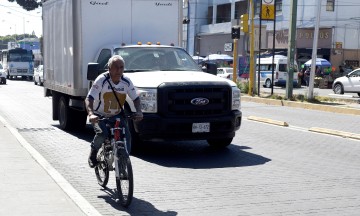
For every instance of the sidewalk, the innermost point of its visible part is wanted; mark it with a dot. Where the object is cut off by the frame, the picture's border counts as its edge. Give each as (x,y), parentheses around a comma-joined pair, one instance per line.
(26,188)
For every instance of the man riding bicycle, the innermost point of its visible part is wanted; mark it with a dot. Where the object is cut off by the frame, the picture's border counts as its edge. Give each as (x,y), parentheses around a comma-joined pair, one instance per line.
(108,90)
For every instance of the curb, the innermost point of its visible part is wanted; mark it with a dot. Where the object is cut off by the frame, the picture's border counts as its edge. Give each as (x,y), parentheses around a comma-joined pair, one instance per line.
(269,121)
(304,105)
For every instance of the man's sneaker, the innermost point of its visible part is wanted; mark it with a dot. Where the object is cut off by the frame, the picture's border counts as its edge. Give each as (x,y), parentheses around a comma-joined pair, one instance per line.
(92,158)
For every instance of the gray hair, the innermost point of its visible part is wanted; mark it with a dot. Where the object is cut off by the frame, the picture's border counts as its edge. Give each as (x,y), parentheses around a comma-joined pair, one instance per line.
(115,58)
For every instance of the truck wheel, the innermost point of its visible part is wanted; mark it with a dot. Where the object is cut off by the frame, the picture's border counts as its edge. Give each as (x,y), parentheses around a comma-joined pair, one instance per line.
(268,83)
(136,141)
(70,119)
(64,113)
(220,143)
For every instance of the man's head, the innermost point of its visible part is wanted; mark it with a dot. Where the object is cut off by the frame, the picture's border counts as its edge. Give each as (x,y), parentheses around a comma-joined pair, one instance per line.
(116,66)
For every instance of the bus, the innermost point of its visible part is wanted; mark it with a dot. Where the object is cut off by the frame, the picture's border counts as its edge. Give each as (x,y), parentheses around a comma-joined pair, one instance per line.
(18,62)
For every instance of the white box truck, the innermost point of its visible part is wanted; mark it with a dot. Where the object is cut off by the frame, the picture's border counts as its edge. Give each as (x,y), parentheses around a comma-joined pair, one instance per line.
(179,101)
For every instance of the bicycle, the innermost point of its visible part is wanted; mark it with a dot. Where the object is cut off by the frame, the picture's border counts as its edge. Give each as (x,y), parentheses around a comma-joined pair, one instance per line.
(114,156)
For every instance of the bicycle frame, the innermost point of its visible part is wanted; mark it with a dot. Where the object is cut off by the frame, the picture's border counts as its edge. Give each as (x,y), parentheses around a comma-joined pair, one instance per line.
(114,151)
(117,142)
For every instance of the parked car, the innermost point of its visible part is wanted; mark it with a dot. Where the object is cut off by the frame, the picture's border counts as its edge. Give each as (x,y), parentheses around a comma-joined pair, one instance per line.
(350,83)
(225,72)
(39,75)
(2,75)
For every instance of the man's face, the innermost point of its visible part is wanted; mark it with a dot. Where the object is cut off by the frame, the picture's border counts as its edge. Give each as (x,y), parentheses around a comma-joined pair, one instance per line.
(116,70)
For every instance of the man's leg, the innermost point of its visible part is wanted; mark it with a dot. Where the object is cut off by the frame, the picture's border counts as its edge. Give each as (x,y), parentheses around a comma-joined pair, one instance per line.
(99,138)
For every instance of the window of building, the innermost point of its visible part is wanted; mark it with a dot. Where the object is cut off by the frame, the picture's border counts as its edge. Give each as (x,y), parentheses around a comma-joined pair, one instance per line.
(278,6)
(237,10)
(210,15)
(330,5)
(223,13)
(185,3)
(240,9)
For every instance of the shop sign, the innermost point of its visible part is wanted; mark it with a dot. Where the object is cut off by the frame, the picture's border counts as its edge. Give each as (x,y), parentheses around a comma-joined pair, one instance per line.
(304,38)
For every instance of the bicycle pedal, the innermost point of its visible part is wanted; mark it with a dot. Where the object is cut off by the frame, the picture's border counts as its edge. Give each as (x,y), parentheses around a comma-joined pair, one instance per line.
(123,177)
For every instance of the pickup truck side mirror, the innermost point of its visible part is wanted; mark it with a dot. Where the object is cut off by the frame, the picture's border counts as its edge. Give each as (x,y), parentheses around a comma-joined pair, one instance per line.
(93,71)
(211,68)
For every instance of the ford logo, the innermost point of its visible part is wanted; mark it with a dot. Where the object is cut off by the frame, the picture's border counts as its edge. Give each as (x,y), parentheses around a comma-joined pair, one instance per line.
(199,101)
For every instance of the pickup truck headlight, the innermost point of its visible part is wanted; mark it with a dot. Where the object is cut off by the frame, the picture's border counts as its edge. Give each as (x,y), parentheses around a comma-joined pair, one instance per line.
(148,100)
(235,98)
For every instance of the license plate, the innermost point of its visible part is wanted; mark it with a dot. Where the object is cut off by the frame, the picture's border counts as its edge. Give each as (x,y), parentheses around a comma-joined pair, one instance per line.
(201,127)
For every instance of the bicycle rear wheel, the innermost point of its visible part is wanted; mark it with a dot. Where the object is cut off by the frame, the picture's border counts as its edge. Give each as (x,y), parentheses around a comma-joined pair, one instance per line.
(102,169)
(125,182)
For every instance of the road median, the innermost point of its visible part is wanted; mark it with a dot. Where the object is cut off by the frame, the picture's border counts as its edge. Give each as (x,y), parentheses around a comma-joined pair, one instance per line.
(343,134)
(268,121)
(330,107)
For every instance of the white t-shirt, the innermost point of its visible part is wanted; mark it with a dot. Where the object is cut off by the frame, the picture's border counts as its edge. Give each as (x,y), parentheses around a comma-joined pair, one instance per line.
(105,102)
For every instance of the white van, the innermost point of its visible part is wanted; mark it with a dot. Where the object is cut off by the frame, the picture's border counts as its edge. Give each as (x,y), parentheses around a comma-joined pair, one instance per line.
(280,71)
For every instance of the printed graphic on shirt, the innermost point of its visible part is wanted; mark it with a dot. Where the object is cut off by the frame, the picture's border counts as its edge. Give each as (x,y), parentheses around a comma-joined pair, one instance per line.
(110,103)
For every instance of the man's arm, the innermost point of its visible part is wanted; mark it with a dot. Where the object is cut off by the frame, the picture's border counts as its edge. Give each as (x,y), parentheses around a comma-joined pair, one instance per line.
(138,115)
(89,104)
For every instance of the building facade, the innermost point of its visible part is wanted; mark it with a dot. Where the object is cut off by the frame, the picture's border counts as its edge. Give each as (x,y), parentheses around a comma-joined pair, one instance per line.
(339,28)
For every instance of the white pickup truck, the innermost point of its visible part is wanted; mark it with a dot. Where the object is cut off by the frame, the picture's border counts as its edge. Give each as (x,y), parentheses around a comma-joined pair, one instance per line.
(179,101)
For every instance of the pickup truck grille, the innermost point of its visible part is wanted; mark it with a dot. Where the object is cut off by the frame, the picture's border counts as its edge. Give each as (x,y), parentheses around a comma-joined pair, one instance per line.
(175,99)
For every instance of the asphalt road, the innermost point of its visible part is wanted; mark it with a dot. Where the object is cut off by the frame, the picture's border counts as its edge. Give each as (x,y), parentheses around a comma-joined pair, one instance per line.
(267,170)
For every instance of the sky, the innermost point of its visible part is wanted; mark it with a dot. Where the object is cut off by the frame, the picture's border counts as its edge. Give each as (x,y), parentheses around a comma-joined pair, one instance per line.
(16,20)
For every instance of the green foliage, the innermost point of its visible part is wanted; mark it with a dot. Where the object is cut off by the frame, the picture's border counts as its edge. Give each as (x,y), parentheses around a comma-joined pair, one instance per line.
(244,86)
(15,37)
(28,4)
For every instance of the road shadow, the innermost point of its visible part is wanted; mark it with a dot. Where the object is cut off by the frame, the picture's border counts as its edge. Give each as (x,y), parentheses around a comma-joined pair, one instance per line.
(137,206)
(197,155)
(188,154)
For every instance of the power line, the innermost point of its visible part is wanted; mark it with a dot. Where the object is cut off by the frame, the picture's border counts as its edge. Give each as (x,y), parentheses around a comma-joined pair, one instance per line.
(11,8)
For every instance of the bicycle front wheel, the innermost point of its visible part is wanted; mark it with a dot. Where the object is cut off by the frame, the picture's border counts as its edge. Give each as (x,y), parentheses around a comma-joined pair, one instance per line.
(102,169)
(125,181)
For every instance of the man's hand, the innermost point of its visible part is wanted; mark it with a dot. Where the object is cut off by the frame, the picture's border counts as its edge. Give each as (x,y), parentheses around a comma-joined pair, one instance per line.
(138,116)
(93,119)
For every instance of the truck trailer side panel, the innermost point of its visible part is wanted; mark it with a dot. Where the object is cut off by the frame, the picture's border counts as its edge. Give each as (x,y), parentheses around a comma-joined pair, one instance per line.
(74,31)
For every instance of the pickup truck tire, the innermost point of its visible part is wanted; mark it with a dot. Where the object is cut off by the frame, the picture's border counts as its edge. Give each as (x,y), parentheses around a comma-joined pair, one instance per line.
(219,143)
(136,141)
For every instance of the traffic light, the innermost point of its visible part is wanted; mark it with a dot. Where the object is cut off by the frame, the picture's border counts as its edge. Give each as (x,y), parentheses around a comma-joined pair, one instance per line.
(235,32)
(244,22)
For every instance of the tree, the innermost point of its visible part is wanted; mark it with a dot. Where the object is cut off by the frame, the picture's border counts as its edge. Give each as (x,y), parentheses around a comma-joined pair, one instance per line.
(28,4)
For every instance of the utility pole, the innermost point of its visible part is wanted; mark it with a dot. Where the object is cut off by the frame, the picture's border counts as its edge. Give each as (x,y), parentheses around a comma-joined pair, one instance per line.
(252,48)
(291,51)
(314,52)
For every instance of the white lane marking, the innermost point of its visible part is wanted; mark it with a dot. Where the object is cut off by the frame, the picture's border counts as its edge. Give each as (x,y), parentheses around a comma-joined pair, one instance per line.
(79,200)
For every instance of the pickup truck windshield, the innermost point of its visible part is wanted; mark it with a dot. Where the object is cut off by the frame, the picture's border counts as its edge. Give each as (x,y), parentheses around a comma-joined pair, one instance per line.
(156,58)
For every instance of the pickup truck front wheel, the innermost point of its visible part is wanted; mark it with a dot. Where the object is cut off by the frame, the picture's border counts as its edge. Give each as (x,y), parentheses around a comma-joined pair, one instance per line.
(219,143)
